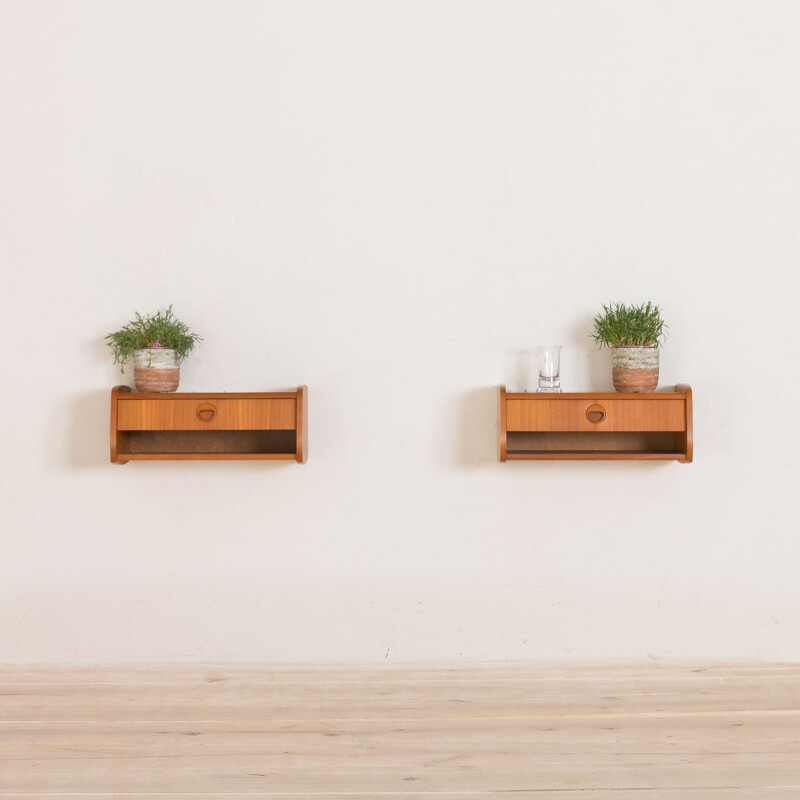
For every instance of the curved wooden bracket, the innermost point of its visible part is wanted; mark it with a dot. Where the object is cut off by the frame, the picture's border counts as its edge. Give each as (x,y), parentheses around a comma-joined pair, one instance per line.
(501,423)
(115,392)
(688,436)
(302,424)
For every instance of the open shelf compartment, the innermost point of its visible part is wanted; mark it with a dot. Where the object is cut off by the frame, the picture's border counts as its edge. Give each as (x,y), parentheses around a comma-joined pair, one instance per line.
(608,426)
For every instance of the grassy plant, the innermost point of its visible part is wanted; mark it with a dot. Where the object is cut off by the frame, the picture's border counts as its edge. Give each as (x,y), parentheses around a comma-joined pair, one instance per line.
(161,329)
(629,326)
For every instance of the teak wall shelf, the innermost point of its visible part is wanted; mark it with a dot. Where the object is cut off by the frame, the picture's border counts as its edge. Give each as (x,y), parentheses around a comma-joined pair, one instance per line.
(607,425)
(235,426)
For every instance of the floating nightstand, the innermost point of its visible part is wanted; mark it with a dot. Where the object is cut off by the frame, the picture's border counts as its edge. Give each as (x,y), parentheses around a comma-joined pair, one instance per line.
(268,426)
(607,425)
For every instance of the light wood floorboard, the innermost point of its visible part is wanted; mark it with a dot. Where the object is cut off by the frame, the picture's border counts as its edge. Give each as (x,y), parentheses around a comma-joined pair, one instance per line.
(535,732)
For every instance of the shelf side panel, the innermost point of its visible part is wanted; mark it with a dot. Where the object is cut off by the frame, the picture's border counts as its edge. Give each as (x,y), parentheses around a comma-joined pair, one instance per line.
(688,436)
(501,423)
(115,441)
(301,454)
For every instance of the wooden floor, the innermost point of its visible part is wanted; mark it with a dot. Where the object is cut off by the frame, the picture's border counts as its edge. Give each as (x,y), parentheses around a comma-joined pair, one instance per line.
(528,732)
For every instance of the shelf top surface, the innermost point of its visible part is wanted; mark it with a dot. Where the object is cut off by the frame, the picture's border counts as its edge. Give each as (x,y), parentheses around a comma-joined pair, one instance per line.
(661,394)
(132,395)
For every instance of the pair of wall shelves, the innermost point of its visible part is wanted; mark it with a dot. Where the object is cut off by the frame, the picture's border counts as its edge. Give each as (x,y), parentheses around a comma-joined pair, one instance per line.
(273,426)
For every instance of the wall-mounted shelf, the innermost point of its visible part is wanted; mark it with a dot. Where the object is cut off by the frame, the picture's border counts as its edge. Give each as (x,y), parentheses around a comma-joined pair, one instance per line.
(151,426)
(607,425)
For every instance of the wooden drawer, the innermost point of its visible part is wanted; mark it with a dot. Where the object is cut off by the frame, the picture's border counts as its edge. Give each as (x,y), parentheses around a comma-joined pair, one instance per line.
(562,414)
(212,414)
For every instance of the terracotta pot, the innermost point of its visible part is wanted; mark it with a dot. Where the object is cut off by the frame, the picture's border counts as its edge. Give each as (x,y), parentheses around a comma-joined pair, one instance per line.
(156,369)
(634,369)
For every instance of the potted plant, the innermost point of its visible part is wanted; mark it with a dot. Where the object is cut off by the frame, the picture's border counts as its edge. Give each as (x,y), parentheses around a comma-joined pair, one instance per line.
(634,334)
(157,343)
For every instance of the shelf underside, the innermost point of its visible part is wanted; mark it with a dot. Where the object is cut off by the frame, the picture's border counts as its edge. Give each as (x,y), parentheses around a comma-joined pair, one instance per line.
(236,445)
(206,457)
(563,446)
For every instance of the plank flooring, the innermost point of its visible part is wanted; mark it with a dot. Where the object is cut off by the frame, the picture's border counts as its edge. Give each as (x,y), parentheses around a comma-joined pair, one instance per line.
(532,732)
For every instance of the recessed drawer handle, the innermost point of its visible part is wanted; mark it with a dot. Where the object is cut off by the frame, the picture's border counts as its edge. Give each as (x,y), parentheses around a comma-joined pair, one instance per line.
(206,412)
(595,413)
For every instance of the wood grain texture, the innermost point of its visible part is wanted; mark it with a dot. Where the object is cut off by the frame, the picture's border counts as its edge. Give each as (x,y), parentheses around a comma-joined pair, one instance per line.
(572,415)
(560,794)
(231,414)
(642,731)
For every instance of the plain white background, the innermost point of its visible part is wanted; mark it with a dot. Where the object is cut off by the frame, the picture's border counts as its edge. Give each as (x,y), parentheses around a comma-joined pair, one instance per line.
(394,202)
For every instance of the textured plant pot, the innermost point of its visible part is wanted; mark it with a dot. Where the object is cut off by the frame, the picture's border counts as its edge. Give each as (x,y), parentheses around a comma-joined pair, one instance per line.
(634,369)
(156,369)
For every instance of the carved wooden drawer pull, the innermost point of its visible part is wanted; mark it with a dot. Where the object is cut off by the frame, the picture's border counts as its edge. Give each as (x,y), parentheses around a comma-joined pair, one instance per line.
(595,413)
(206,412)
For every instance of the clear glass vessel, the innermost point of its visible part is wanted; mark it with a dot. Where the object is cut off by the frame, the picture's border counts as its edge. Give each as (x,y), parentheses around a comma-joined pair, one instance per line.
(549,368)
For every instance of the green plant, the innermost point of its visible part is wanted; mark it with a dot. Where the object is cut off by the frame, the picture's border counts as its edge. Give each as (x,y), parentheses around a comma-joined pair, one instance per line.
(161,329)
(629,326)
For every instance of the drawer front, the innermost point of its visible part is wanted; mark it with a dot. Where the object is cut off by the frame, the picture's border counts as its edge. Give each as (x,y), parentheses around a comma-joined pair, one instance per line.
(206,415)
(595,415)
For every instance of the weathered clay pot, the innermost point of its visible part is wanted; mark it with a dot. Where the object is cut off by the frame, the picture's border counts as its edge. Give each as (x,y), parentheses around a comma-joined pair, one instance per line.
(634,369)
(156,369)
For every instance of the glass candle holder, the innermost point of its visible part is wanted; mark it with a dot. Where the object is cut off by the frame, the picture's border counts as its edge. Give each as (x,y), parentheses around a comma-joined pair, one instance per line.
(549,368)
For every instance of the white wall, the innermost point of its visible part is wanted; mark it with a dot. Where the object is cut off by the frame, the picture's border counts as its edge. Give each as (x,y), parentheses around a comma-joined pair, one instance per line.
(393,202)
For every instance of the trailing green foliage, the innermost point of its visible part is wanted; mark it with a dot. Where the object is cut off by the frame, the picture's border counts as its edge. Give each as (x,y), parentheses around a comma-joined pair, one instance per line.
(629,326)
(161,329)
